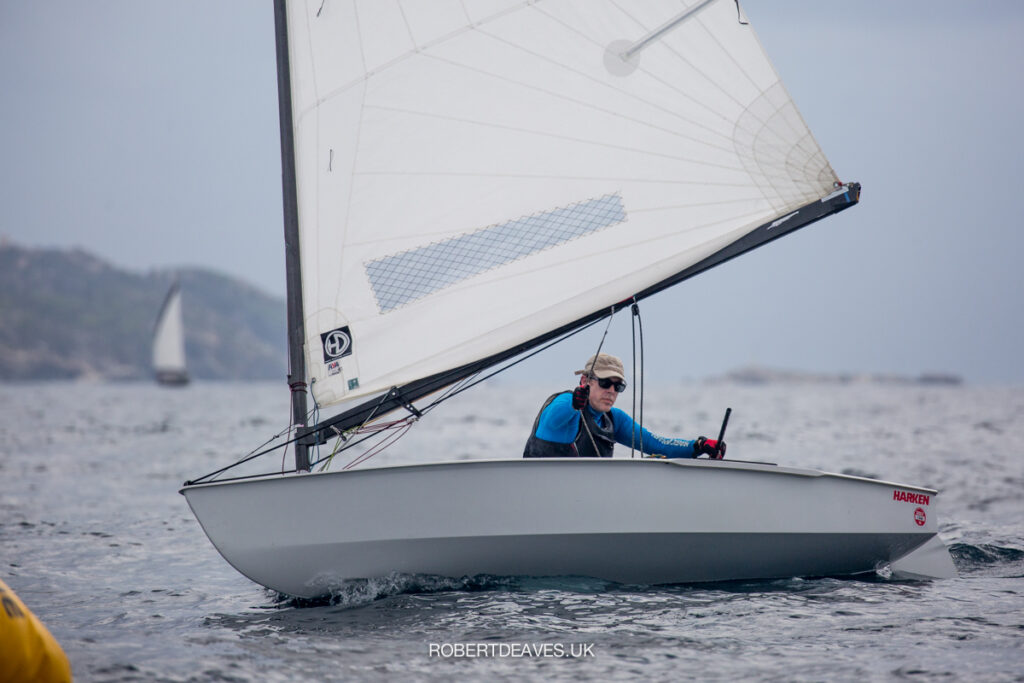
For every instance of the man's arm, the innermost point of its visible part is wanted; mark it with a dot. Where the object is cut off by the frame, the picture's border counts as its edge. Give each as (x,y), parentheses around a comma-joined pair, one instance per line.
(628,432)
(559,422)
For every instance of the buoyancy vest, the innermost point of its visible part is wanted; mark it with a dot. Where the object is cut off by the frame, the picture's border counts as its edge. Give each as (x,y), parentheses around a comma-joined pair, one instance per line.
(582,447)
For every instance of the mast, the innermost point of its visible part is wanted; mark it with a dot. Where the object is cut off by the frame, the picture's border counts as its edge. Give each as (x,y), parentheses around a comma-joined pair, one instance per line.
(293,272)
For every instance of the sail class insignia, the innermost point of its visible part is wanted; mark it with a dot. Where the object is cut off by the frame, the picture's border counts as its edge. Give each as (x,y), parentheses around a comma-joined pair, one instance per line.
(336,344)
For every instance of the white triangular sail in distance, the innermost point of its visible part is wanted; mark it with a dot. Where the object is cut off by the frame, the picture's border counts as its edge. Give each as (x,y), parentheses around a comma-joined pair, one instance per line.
(475,173)
(169,341)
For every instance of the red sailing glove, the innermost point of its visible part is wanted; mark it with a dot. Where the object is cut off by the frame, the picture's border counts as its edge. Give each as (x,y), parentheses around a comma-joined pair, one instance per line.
(581,395)
(715,449)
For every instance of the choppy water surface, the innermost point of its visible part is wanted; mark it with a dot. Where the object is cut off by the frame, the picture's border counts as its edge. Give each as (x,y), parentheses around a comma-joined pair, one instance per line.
(99,544)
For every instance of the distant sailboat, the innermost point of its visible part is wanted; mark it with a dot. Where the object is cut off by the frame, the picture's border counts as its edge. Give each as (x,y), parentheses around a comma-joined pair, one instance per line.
(169,341)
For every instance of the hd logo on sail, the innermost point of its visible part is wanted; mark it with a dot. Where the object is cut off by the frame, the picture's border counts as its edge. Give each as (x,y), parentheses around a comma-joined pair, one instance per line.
(336,344)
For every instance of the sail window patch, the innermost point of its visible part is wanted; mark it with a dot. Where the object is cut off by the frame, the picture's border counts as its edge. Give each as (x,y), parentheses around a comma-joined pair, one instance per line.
(411,275)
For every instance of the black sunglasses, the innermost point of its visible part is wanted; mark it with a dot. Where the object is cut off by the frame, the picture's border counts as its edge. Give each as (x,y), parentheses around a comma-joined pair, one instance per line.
(606,382)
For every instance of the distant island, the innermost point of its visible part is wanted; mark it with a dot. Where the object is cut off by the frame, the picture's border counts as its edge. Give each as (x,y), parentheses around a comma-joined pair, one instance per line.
(67,314)
(762,375)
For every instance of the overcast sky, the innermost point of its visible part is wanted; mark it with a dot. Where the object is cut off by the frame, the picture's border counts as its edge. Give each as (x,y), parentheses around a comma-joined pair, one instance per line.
(146,132)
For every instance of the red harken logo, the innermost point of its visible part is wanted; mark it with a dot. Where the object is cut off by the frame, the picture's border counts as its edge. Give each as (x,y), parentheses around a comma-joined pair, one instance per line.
(919,517)
(908,497)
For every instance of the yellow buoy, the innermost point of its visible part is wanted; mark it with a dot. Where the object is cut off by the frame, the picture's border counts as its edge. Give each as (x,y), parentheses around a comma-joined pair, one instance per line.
(27,650)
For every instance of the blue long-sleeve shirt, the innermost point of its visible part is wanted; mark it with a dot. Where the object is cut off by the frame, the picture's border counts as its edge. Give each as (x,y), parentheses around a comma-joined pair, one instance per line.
(560,422)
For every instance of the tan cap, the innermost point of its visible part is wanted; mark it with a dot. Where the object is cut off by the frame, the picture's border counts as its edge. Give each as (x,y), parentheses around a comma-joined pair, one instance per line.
(603,366)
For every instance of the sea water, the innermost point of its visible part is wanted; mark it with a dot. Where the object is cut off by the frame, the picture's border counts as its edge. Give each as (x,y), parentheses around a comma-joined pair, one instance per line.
(99,544)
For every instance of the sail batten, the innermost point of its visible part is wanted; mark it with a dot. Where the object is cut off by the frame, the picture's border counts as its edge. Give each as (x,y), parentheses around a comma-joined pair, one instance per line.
(665,28)
(438,153)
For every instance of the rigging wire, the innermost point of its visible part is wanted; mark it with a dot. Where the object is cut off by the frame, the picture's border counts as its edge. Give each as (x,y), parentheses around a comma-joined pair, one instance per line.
(450,392)
(639,380)
(516,362)
(464,385)
(611,314)
(316,416)
(371,431)
(256,452)
(455,389)
(383,445)
(365,428)
(252,455)
(632,433)
(589,372)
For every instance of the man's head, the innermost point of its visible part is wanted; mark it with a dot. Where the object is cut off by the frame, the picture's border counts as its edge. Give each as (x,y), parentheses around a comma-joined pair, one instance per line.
(606,370)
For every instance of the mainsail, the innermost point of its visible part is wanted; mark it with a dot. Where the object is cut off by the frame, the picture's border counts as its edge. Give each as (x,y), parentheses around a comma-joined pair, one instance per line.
(472,175)
(169,341)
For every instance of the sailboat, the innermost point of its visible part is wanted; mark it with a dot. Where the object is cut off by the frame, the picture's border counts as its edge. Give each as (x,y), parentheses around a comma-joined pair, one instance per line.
(469,182)
(169,341)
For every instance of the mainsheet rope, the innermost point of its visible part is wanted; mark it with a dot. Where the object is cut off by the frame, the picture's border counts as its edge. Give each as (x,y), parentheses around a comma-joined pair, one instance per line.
(589,372)
(638,380)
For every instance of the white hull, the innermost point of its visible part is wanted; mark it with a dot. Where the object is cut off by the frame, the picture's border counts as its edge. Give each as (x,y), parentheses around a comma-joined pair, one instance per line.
(631,521)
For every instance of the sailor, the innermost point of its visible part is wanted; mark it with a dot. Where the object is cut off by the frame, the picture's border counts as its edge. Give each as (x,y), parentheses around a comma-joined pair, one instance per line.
(584,422)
